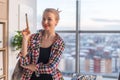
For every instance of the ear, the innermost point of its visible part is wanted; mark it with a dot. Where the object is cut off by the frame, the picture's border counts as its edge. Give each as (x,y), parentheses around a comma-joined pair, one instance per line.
(56,22)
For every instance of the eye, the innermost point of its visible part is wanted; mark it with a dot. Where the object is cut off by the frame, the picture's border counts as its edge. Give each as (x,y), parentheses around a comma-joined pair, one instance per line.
(43,19)
(49,19)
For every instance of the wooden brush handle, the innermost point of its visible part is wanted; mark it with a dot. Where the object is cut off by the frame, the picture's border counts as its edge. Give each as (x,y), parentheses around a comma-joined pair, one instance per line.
(27,24)
(27,21)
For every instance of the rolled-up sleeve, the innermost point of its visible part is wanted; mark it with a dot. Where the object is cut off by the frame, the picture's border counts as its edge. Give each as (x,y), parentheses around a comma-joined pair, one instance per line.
(27,59)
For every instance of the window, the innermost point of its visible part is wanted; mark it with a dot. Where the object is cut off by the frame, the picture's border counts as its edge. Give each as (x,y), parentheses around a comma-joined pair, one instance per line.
(98,36)
(100,15)
(100,53)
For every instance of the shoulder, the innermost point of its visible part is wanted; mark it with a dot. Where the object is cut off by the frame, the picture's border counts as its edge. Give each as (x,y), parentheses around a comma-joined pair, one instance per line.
(59,44)
(59,40)
(35,35)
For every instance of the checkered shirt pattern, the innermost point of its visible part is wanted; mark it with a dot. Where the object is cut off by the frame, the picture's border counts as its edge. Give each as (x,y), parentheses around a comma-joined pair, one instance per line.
(33,54)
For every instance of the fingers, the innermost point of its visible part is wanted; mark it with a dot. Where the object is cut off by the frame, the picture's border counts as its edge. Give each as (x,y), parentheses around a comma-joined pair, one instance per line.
(26,31)
(30,67)
(24,67)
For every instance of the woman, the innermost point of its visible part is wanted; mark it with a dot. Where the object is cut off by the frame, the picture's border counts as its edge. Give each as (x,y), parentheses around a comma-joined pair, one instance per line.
(41,52)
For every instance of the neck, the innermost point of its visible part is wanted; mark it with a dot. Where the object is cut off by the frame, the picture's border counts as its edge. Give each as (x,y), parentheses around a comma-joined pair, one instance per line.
(48,34)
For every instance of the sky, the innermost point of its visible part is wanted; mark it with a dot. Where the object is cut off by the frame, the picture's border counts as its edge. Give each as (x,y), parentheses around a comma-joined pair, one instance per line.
(94,14)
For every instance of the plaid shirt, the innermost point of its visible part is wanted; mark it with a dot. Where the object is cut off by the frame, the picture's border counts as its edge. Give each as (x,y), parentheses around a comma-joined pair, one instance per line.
(33,54)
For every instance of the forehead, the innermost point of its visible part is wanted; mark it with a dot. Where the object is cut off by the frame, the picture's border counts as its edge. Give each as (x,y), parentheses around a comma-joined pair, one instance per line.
(48,14)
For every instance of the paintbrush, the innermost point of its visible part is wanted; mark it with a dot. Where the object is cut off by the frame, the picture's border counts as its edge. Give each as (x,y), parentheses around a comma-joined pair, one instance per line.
(27,24)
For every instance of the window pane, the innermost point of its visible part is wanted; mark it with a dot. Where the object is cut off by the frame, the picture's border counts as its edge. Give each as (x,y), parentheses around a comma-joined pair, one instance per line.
(67,64)
(67,14)
(100,15)
(100,53)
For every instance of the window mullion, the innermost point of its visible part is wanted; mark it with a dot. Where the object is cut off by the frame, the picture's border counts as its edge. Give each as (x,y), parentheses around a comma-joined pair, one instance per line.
(77,37)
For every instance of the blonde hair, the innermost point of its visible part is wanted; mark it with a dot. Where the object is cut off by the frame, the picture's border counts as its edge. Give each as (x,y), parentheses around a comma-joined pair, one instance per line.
(54,11)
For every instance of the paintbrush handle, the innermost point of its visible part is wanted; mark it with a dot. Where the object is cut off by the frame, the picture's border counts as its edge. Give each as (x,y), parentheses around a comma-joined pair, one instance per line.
(27,25)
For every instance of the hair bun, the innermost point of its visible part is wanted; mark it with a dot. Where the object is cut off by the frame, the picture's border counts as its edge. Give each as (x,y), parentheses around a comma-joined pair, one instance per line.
(58,10)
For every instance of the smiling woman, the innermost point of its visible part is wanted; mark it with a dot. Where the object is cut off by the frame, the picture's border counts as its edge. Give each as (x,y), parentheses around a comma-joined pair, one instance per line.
(67,22)
(41,52)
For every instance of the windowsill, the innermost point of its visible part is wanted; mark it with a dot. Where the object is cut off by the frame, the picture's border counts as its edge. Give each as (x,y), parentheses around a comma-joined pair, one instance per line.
(69,78)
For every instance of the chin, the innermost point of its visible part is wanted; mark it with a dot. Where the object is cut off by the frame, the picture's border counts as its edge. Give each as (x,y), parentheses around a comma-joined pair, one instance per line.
(46,29)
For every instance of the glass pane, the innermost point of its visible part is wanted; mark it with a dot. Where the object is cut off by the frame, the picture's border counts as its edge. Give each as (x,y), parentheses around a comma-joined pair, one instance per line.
(67,14)
(100,53)
(67,64)
(1,35)
(100,15)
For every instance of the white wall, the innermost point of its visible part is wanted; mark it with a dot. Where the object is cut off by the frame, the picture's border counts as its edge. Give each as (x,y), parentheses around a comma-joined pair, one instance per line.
(13,26)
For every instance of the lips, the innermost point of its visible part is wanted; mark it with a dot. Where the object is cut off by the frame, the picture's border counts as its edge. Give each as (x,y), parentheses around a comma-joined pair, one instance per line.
(45,26)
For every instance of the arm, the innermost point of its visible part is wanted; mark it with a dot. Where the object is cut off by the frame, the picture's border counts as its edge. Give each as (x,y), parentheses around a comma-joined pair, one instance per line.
(53,61)
(26,53)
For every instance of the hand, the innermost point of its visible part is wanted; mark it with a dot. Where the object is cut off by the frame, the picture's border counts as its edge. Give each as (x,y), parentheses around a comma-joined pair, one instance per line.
(31,67)
(26,34)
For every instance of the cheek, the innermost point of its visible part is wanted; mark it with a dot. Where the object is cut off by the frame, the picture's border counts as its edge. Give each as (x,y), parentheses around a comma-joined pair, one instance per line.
(42,23)
(56,23)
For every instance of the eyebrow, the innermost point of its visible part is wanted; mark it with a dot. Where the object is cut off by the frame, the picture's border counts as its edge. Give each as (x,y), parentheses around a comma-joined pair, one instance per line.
(47,17)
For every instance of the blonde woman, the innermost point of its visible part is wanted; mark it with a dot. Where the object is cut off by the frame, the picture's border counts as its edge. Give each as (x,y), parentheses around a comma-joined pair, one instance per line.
(41,52)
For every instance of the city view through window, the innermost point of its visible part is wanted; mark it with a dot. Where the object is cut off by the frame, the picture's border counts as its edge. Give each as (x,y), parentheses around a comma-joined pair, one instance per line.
(99,54)
(99,36)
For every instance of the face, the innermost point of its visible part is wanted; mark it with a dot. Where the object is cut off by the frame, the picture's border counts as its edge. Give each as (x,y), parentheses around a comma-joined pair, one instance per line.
(49,21)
